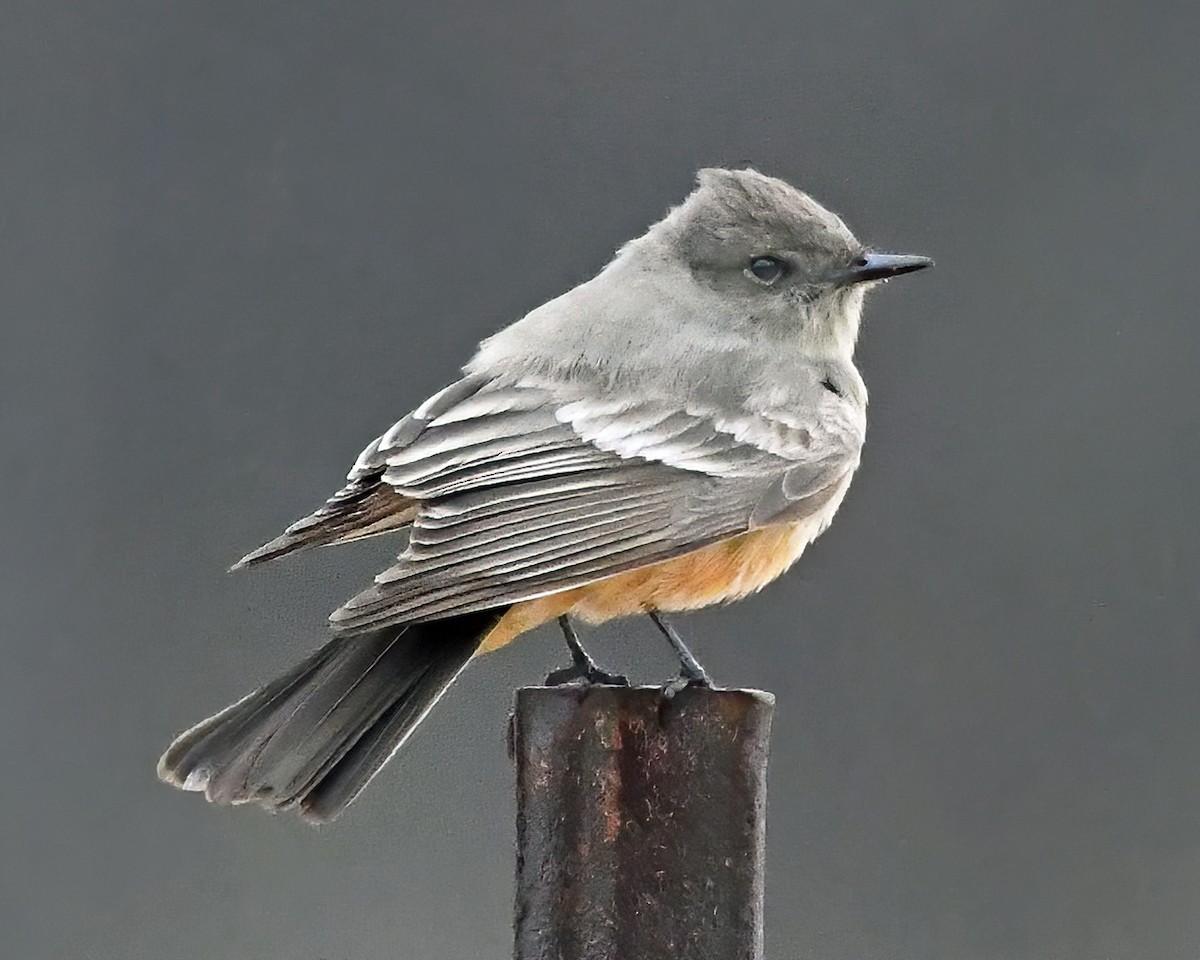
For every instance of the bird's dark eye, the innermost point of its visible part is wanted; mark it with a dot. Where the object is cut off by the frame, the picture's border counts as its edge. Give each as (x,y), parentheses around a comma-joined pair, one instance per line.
(767,269)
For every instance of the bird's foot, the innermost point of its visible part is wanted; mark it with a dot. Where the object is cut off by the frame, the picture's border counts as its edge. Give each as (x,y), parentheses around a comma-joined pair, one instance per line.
(687,678)
(587,674)
(583,668)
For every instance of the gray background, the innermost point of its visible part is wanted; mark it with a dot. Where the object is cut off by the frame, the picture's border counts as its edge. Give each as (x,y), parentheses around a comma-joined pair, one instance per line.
(239,239)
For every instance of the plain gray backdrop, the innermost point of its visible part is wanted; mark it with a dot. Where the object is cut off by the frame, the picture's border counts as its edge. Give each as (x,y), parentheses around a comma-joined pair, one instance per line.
(239,239)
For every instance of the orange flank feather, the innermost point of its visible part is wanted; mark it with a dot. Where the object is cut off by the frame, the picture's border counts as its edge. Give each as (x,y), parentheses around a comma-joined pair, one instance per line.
(718,573)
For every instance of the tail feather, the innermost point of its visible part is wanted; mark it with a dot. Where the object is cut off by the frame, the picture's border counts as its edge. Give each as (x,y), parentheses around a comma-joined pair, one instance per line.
(345,779)
(315,736)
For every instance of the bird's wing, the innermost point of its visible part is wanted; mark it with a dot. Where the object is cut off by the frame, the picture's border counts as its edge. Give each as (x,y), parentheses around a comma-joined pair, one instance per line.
(521,492)
(365,506)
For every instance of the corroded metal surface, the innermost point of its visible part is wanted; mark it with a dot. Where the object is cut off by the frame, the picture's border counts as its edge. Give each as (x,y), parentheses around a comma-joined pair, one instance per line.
(640,823)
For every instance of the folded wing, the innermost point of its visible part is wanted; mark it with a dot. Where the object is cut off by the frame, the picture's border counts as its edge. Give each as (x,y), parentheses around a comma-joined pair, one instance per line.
(520,492)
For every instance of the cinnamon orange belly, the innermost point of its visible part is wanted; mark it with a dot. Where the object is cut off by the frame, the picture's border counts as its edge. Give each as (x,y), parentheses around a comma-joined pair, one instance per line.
(714,574)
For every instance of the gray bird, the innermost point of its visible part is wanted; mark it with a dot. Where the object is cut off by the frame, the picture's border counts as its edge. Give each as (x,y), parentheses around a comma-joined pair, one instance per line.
(668,435)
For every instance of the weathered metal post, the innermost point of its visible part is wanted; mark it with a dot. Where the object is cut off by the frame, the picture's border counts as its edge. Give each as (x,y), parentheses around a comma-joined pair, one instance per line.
(641,821)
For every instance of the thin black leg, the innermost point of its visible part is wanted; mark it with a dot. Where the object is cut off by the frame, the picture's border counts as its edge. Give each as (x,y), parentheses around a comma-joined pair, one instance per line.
(583,667)
(690,671)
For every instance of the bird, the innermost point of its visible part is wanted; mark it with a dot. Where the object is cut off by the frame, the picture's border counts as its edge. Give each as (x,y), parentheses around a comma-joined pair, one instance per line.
(668,435)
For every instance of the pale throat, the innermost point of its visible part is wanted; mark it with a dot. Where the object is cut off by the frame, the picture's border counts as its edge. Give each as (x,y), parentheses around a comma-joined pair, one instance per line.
(831,324)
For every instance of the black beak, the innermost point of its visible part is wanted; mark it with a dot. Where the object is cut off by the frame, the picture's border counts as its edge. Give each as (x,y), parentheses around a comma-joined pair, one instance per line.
(884,266)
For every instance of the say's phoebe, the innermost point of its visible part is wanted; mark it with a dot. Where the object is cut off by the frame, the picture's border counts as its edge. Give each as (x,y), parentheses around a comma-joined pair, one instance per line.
(668,435)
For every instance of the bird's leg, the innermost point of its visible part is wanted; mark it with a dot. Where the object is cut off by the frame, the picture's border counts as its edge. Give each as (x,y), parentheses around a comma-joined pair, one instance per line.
(691,674)
(583,667)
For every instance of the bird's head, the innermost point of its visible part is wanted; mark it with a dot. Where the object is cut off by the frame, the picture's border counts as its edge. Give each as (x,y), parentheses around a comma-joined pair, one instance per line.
(783,261)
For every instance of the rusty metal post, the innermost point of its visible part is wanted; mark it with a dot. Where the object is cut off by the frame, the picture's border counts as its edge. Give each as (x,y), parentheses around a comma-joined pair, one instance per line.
(640,823)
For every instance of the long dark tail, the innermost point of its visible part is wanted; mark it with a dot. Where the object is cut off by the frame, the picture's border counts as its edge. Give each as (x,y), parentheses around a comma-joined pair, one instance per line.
(313,737)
